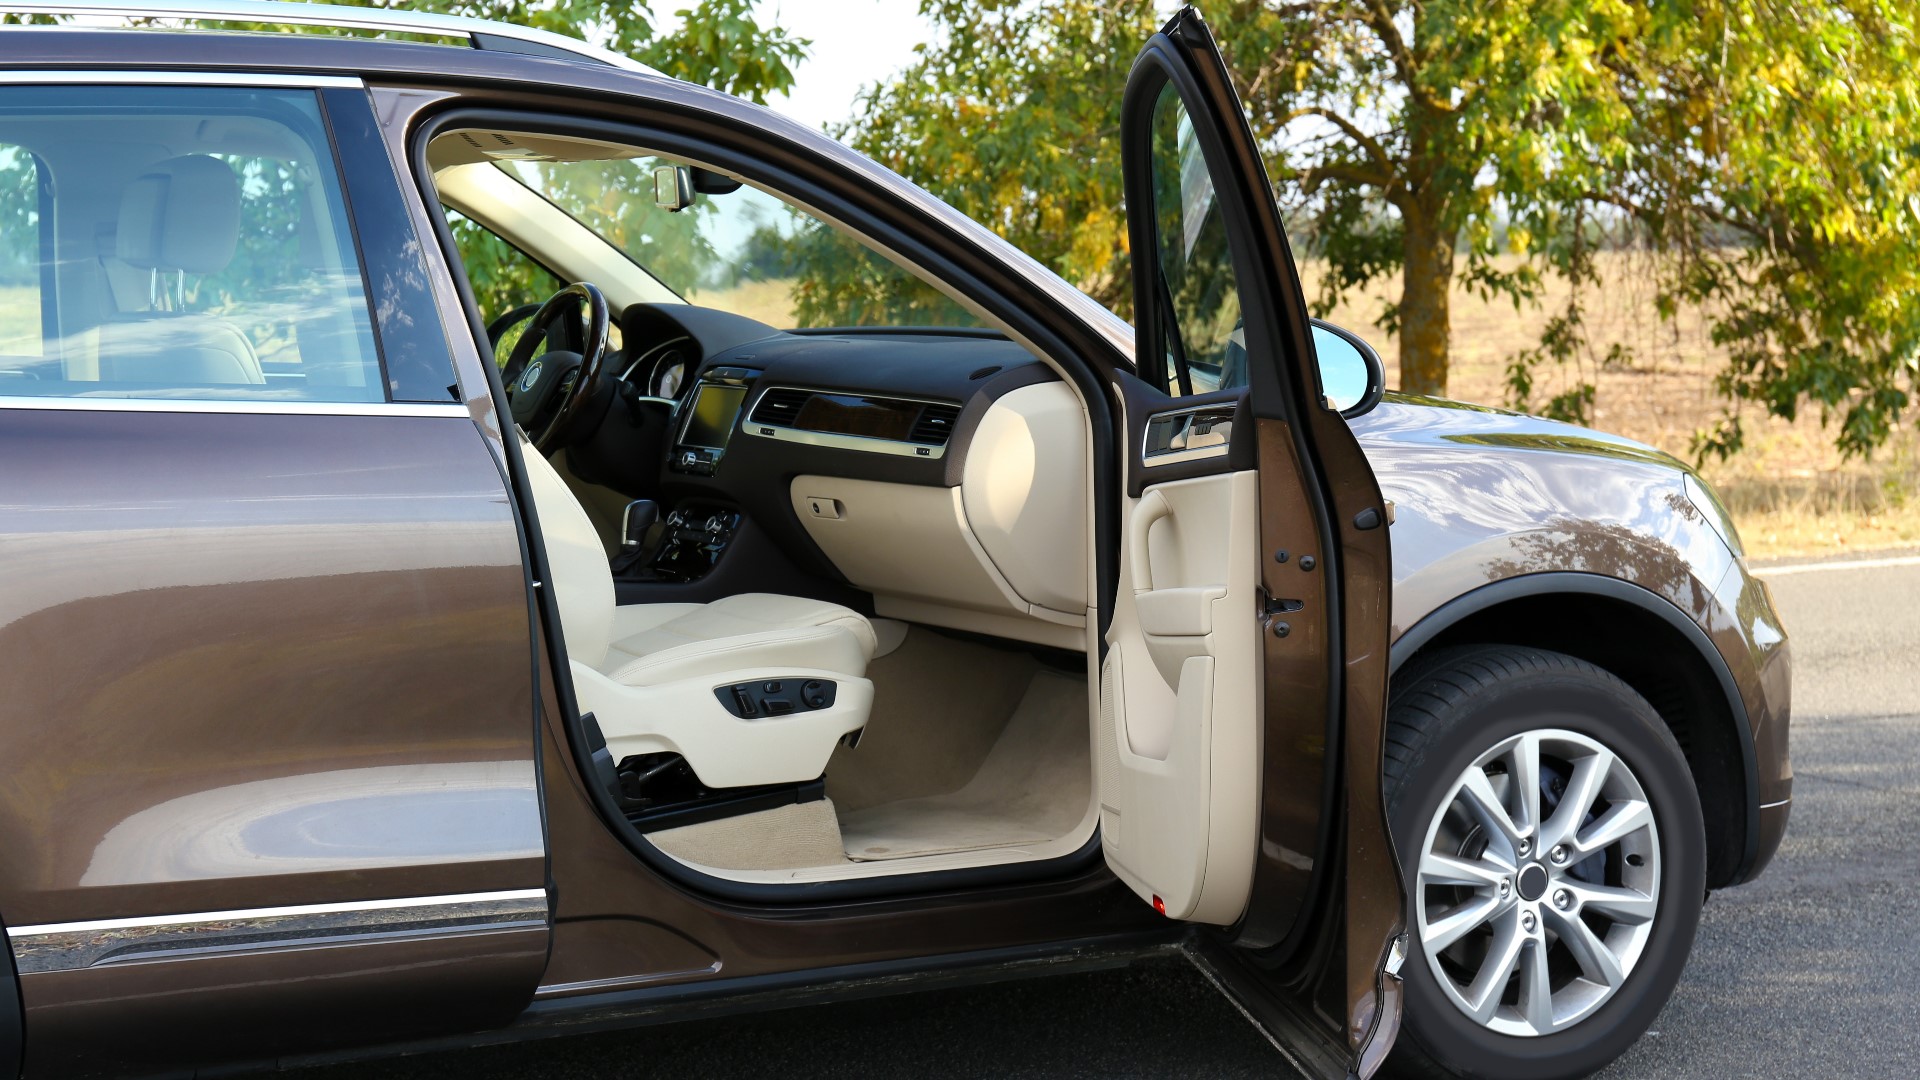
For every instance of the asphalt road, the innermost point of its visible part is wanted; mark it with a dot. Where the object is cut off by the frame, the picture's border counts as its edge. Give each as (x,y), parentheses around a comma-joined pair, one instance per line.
(1809,971)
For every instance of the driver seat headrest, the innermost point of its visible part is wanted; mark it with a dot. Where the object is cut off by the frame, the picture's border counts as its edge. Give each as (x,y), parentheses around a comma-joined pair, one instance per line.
(182,213)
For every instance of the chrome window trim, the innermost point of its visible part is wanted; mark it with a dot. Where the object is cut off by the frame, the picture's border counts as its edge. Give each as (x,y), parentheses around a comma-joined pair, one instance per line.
(862,443)
(237,406)
(74,945)
(122,77)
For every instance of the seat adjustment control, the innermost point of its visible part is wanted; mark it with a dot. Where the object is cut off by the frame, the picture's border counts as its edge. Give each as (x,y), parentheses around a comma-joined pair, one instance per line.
(776,697)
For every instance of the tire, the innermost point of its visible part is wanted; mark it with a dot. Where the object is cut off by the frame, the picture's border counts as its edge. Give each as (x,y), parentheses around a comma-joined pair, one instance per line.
(1631,869)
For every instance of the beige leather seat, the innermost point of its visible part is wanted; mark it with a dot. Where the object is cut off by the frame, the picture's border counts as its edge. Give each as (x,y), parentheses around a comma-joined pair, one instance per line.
(181,215)
(656,643)
(648,672)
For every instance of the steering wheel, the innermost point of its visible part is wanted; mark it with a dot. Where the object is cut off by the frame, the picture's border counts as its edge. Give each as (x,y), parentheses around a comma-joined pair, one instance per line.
(552,396)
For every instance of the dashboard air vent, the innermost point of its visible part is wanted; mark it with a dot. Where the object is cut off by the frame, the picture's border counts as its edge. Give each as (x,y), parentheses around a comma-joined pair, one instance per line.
(780,406)
(935,425)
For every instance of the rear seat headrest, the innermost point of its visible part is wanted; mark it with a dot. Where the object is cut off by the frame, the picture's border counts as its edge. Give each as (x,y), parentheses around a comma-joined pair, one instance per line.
(180,214)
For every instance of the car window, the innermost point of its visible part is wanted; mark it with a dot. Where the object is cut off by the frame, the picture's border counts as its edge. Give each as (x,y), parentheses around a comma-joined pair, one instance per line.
(22,231)
(503,278)
(1206,349)
(200,248)
(737,248)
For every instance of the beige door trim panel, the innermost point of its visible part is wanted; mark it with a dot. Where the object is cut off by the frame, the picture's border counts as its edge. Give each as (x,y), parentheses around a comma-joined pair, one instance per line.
(1180,718)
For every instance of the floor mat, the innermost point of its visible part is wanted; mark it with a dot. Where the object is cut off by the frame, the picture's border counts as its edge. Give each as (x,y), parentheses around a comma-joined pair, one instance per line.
(1034,786)
(939,704)
(783,838)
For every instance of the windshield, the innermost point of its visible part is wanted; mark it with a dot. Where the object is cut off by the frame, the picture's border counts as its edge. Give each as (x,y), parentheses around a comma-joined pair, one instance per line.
(737,248)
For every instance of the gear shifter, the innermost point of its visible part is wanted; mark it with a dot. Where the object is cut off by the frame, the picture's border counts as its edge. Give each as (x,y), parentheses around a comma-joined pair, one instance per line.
(635,523)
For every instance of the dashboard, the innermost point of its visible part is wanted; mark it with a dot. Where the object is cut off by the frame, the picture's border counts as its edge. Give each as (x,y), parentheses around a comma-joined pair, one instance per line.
(943,472)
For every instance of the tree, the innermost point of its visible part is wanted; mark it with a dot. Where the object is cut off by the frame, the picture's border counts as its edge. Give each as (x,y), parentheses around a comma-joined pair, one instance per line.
(1762,150)
(1013,117)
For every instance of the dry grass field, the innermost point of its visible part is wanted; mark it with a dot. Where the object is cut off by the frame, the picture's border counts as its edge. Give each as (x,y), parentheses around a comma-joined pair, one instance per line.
(19,320)
(1789,490)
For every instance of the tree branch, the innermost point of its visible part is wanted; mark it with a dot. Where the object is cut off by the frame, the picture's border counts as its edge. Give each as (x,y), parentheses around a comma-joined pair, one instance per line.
(1405,63)
(1347,172)
(1352,130)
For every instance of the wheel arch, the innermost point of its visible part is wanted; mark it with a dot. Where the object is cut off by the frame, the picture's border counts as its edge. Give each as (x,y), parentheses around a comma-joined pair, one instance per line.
(1651,645)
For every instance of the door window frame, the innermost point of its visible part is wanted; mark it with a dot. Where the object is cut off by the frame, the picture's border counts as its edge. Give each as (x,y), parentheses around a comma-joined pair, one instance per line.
(845,197)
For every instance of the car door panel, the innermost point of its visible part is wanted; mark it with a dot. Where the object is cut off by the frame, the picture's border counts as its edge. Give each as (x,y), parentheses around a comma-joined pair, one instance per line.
(1205,230)
(260,663)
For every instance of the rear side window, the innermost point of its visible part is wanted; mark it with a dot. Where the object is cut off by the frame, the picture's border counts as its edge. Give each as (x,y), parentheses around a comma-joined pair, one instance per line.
(21,263)
(177,242)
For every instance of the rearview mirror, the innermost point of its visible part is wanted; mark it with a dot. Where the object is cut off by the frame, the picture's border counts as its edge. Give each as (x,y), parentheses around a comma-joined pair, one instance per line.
(1352,375)
(672,188)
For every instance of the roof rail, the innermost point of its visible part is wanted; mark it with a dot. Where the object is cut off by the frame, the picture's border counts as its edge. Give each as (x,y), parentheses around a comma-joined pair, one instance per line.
(479,33)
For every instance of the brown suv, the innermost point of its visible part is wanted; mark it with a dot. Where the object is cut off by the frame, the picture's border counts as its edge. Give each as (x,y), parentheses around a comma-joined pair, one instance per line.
(364,693)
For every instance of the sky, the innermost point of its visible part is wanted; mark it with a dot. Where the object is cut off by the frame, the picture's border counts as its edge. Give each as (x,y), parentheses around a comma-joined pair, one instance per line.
(856,43)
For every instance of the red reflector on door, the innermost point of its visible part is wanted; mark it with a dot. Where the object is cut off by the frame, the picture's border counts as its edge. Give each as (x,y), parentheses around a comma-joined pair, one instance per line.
(1159,905)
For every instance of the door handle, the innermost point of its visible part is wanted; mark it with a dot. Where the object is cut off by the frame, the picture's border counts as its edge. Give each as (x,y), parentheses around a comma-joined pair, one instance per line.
(1150,509)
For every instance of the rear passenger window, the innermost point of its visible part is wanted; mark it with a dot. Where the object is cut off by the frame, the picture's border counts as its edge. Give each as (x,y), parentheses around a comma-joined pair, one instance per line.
(177,242)
(20,256)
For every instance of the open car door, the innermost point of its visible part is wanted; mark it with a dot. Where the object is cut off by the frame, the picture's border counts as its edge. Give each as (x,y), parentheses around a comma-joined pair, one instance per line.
(1243,687)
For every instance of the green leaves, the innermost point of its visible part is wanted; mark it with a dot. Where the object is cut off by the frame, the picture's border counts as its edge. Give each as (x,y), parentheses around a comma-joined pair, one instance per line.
(1010,114)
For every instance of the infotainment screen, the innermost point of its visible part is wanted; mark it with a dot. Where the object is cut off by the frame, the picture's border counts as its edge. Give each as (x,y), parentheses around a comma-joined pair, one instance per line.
(715,408)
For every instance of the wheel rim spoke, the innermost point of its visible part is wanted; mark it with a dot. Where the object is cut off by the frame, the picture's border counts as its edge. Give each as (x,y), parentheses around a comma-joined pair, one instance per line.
(1624,905)
(1536,987)
(1482,873)
(1486,805)
(1597,962)
(1526,780)
(1621,820)
(1589,774)
(1440,934)
(1490,982)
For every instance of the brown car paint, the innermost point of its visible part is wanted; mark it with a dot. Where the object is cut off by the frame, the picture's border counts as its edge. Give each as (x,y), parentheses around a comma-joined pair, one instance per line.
(242,653)
(1486,497)
(620,924)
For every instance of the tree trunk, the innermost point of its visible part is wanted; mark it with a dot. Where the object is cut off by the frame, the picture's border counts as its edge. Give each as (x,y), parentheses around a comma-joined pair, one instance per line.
(1425,315)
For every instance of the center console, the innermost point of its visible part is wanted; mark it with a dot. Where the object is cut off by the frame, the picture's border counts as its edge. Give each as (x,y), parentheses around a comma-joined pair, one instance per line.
(711,414)
(691,541)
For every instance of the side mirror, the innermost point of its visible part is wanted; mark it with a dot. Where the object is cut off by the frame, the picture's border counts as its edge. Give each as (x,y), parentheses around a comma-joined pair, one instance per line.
(672,188)
(1352,376)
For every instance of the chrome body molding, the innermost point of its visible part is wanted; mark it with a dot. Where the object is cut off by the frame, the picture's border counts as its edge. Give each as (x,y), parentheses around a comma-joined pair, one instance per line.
(71,946)
(255,407)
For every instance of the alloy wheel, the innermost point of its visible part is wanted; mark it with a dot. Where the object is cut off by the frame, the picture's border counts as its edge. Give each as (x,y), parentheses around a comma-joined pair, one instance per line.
(1536,889)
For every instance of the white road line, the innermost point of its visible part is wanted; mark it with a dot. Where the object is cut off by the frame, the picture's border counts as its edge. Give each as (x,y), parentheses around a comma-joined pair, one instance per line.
(1852,564)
